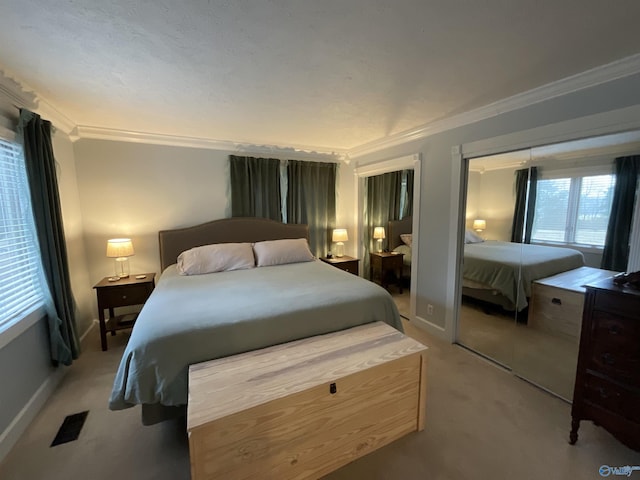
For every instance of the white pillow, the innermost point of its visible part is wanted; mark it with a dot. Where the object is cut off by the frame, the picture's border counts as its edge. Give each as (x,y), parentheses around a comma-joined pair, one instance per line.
(219,257)
(406,238)
(470,237)
(280,252)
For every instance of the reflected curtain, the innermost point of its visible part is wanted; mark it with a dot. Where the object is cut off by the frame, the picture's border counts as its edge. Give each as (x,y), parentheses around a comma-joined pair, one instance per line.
(407,209)
(255,187)
(616,248)
(525,189)
(40,162)
(311,199)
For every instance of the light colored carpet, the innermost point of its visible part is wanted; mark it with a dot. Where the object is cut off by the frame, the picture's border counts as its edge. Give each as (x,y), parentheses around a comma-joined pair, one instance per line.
(482,423)
(402,302)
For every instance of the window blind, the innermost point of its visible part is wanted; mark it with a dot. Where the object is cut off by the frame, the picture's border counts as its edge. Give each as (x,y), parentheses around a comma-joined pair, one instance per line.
(573,210)
(19,256)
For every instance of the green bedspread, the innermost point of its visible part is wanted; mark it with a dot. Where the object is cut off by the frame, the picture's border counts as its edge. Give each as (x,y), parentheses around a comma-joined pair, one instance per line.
(191,319)
(501,265)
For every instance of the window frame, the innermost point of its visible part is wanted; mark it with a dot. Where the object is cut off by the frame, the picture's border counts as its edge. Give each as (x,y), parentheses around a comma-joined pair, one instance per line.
(576,176)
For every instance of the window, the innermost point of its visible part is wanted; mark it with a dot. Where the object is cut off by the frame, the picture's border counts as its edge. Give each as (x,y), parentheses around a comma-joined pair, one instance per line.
(573,210)
(20,289)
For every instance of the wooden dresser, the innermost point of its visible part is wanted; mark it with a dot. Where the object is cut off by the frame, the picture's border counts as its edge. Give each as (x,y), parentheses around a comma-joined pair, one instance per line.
(607,389)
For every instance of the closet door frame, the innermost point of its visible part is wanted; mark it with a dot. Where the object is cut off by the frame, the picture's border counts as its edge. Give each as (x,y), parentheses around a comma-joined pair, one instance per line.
(378,168)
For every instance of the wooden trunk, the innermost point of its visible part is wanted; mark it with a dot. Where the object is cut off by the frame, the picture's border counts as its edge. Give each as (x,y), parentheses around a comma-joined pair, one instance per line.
(557,302)
(303,409)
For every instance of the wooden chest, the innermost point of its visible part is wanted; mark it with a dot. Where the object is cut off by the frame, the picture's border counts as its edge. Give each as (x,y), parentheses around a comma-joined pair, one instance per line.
(303,409)
(607,388)
(557,302)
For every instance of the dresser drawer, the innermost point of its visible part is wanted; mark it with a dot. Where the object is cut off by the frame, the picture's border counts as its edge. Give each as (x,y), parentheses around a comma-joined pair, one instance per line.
(617,303)
(125,295)
(615,347)
(612,397)
(556,311)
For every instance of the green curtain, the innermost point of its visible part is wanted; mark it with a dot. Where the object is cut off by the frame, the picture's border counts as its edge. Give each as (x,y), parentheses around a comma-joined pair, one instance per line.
(311,199)
(525,204)
(35,134)
(255,187)
(616,247)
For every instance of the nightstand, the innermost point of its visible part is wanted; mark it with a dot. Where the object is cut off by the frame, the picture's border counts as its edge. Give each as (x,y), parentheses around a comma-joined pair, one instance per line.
(388,266)
(348,264)
(121,293)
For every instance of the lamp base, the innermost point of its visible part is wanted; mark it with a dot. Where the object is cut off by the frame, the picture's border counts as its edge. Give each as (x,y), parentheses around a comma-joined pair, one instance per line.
(379,245)
(122,267)
(339,249)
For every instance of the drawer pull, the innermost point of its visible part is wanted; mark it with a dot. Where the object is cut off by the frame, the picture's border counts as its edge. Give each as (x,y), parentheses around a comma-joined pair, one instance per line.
(608,358)
(333,388)
(603,393)
(614,330)
(556,301)
(124,297)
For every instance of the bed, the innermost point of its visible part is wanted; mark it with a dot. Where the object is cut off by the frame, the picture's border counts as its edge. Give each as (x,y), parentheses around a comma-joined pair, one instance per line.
(491,270)
(396,229)
(194,318)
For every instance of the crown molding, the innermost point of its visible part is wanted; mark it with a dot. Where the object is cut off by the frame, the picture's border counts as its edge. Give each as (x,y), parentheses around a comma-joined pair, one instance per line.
(58,119)
(300,151)
(17,94)
(590,78)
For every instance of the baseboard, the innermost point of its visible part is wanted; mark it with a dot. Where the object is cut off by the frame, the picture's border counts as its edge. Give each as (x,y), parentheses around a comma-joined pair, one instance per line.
(17,427)
(429,327)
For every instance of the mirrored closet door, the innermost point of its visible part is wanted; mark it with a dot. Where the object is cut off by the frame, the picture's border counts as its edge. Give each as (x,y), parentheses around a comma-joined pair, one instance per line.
(538,228)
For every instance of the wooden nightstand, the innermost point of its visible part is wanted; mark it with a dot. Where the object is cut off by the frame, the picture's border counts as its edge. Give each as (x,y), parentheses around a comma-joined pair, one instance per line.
(121,293)
(348,264)
(388,266)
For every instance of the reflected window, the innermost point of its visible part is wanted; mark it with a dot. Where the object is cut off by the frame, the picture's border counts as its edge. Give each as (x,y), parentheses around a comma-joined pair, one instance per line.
(573,210)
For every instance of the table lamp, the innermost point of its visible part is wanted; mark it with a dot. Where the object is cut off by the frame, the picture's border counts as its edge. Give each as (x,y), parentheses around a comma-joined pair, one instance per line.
(479,225)
(120,249)
(378,234)
(340,236)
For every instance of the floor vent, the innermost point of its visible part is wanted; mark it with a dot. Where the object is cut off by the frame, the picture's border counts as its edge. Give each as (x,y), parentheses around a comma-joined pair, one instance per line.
(70,428)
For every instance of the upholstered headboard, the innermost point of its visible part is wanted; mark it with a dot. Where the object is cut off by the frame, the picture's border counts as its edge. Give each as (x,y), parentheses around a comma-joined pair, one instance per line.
(397,228)
(226,230)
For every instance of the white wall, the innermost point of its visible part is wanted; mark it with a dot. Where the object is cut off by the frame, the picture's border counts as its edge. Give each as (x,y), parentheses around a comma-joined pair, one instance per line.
(436,270)
(135,190)
(73,229)
(496,203)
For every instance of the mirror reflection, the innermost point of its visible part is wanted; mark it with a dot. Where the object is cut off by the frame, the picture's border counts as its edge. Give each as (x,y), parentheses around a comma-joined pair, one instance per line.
(540,224)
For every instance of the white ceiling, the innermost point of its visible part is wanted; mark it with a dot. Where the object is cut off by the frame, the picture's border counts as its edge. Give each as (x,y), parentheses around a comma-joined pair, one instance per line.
(324,73)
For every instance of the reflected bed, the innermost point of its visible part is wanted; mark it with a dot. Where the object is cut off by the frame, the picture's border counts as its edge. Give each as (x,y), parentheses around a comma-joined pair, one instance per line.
(491,270)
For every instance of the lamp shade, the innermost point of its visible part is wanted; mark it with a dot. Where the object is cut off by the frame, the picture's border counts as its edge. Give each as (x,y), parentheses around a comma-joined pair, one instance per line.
(479,224)
(119,247)
(340,235)
(378,233)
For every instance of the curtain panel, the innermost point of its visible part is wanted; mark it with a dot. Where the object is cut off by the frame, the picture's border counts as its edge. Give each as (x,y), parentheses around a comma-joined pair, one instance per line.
(255,187)
(525,190)
(35,134)
(616,247)
(311,199)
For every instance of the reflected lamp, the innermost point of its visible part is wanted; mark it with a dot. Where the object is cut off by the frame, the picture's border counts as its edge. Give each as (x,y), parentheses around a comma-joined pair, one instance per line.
(378,234)
(339,237)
